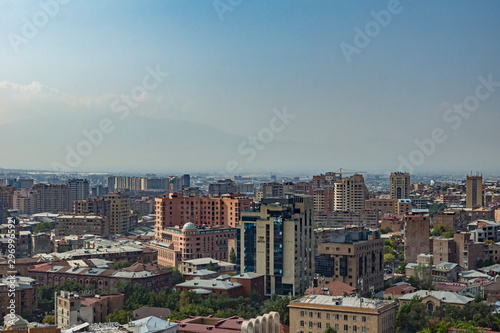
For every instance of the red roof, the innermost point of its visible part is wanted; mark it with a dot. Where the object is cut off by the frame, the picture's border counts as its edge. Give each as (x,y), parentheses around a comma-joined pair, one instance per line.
(401,289)
(445,286)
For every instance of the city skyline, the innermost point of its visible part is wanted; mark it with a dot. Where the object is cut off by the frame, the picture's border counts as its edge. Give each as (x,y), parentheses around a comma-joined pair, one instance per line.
(370,86)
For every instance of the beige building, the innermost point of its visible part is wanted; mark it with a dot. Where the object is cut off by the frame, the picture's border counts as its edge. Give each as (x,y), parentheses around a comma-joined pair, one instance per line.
(314,313)
(73,309)
(474,191)
(355,258)
(276,240)
(350,194)
(66,225)
(400,185)
(114,206)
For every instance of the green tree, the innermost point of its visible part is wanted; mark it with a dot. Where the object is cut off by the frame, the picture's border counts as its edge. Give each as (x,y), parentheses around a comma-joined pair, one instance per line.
(412,317)
(46,298)
(278,304)
(176,276)
(121,264)
(27,314)
(43,226)
(49,319)
(232,256)
(211,266)
(388,249)
(330,329)
(388,258)
(119,316)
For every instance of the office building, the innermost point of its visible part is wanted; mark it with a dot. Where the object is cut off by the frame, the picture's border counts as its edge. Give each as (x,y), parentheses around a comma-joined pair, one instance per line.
(275,239)
(354,257)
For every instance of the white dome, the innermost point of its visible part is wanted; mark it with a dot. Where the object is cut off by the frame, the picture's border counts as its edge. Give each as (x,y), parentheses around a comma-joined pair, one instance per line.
(189,225)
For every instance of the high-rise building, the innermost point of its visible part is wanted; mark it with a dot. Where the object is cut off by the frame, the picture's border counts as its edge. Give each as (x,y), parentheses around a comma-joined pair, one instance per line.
(80,189)
(6,198)
(177,209)
(114,206)
(353,257)
(51,198)
(400,185)
(276,239)
(350,193)
(474,190)
(186,181)
(416,236)
(222,187)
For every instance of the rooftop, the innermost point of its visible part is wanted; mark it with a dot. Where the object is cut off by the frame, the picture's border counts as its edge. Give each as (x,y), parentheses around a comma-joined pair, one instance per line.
(352,302)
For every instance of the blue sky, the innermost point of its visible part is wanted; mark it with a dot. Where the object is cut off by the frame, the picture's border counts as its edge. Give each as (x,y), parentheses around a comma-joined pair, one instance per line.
(227,76)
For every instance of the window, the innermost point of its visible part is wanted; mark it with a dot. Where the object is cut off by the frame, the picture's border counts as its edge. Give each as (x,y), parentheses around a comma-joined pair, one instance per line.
(353,318)
(346,328)
(337,327)
(346,317)
(337,317)
(310,324)
(319,315)
(319,325)
(310,314)
(363,329)
(327,316)
(354,328)
(363,319)
(301,323)
(302,313)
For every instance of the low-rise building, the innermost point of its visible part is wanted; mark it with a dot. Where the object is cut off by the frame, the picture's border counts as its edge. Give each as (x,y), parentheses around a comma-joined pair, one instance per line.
(190,266)
(314,313)
(399,290)
(210,324)
(25,294)
(74,309)
(214,287)
(433,299)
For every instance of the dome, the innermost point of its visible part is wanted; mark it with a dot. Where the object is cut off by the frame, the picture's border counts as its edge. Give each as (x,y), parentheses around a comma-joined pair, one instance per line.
(189,225)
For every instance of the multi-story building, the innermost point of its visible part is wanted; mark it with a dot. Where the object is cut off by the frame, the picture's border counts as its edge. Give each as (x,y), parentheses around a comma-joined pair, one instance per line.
(327,179)
(226,186)
(145,205)
(55,273)
(51,198)
(275,190)
(275,239)
(350,194)
(355,258)
(74,309)
(302,188)
(177,210)
(7,197)
(454,219)
(474,190)
(324,202)
(364,218)
(389,206)
(416,236)
(315,313)
(80,189)
(482,213)
(185,181)
(483,230)
(66,225)
(400,185)
(189,242)
(25,294)
(114,206)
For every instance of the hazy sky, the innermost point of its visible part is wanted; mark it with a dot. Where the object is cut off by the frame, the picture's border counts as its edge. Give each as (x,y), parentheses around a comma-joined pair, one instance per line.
(361,81)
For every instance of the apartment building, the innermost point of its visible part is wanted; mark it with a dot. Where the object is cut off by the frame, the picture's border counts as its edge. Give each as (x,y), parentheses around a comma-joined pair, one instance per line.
(315,313)
(66,225)
(115,207)
(177,210)
(350,194)
(25,294)
(474,191)
(416,236)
